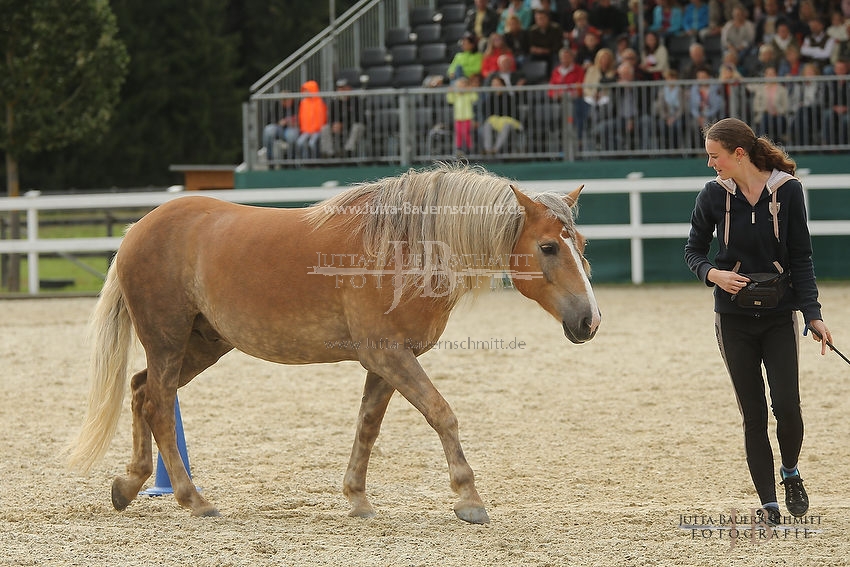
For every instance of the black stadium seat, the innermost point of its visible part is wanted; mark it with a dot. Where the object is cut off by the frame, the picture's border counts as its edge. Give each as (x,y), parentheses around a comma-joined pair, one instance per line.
(373,57)
(403,55)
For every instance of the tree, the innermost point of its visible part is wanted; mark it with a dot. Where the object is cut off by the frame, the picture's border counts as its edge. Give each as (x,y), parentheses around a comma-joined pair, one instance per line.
(62,72)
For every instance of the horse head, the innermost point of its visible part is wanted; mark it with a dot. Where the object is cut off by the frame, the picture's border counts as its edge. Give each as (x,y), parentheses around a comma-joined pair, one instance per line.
(551,269)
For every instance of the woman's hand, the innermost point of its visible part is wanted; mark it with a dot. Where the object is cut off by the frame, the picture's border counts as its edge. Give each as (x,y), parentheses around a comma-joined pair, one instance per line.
(819,333)
(730,282)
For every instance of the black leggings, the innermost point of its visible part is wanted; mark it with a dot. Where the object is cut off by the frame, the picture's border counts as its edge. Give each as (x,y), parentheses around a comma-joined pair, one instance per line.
(747,342)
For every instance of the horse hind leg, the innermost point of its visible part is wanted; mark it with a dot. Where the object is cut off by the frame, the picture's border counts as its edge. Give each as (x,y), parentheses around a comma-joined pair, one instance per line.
(126,488)
(203,350)
(376,397)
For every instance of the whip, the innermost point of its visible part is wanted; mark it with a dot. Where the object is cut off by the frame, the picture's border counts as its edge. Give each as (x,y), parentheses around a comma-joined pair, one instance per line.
(829,344)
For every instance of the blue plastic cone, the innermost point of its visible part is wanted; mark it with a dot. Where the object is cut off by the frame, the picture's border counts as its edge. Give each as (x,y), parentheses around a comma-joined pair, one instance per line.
(162,483)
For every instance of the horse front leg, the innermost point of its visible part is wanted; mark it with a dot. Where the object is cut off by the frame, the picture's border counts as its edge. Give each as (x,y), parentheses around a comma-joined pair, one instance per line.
(376,397)
(402,371)
(126,488)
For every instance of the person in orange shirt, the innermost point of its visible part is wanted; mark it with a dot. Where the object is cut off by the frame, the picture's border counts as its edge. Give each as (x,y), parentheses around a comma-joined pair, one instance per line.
(312,115)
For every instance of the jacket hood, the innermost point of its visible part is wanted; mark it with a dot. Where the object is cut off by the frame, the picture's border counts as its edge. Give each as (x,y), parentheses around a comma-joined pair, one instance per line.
(310,87)
(776,179)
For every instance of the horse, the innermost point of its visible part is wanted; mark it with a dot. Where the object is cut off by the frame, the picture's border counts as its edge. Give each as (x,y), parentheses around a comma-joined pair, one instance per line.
(369,275)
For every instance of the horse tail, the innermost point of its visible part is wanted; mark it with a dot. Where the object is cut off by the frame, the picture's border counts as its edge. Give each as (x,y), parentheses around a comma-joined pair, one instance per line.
(110,331)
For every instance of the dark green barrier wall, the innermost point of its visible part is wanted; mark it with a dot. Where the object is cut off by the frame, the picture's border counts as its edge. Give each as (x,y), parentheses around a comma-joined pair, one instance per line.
(611,259)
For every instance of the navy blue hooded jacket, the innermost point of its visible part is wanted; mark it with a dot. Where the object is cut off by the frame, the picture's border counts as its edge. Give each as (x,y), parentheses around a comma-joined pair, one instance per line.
(752,241)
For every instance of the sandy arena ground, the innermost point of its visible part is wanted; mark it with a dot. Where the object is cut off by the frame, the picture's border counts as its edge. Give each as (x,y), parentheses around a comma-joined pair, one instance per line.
(587,455)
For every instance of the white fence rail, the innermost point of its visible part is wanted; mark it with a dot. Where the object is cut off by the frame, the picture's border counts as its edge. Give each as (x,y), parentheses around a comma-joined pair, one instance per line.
(636,230)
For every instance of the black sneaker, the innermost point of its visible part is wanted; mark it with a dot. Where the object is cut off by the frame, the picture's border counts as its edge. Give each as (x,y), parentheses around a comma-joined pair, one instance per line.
(769,516)
(796,499)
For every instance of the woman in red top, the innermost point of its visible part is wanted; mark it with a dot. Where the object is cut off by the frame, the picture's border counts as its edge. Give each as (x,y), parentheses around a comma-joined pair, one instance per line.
(496,47)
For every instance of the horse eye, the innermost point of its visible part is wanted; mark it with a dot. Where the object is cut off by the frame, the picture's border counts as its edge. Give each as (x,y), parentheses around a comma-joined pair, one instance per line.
(549,248)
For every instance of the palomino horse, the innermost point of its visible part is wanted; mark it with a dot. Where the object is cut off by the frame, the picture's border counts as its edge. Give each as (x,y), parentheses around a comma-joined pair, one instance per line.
(370,275)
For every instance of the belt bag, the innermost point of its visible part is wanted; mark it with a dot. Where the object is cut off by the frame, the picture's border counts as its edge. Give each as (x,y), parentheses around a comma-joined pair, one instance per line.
(764,291)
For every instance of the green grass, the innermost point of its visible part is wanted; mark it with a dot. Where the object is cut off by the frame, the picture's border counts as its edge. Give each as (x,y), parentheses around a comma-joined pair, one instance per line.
(53,268)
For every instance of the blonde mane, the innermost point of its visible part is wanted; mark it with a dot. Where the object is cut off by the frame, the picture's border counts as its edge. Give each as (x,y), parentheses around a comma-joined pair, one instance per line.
(457,223)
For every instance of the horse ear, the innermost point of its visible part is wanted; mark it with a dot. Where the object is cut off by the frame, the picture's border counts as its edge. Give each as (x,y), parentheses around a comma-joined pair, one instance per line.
(572,198)
(526,202)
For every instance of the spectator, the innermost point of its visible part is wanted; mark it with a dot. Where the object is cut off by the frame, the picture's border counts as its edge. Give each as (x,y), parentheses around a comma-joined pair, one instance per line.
(516,39)
(596,87)
(839,30)
(696,60)
(733,91)
(586,54)
(466,62)
(567,15)
(516,8)
(345,126)
(805,101)
(481,20)
(720,12)
(569,74)
(739,32)
(845,8)
(463,99)
(633,16)
(791,65)
(630,56)
(581,29)
(501,119)
(655,57)
(783,38)
(836,119)
(620,46)
(545,38)
(800,25)
(766,24)
(817,46)
(610,20)
(767,57)
(706,102)
(506,70)
(312,115)
(284,127)
(695,19)
(628,127)
(666,18)
(670,109)
(495,48)
(770,105)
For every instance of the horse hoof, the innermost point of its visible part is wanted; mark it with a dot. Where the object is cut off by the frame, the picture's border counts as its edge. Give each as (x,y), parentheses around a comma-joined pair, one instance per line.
(473,515)
(362,512)
(210,512)
(119,501)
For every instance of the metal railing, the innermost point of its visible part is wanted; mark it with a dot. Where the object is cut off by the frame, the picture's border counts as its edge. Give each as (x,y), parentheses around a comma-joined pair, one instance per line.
(636,230)
(415,125)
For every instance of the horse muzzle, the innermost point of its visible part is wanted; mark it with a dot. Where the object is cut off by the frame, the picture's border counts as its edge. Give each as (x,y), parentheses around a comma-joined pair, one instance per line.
(580,330)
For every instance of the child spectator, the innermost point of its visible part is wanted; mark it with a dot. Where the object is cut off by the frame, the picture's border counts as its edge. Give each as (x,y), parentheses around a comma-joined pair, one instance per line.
(501,111)
(770,105)
(463,99)
(466,62)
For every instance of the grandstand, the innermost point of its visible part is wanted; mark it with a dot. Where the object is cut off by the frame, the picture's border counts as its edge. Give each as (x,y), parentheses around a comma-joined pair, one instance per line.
(388,49)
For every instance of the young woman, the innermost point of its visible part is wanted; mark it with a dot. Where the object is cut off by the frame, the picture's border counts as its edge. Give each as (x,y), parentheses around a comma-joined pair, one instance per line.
(756,205)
